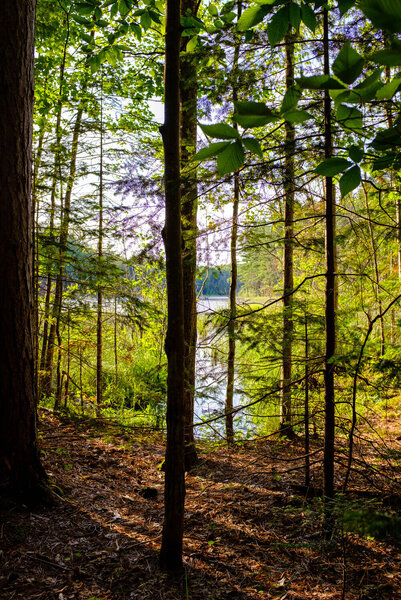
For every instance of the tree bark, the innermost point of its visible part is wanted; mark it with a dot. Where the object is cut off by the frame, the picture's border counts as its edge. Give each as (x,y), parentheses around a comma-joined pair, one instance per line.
(288,273)
(21,473)
(174,491)
(330,316)
(99,324)
(229,404)
(56,167)
(189,207)
(64,230)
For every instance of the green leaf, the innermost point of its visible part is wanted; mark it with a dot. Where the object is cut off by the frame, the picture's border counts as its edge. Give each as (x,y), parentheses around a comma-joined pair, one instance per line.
(146,20)
(278,26)
(320,82)
(252,16)
(350,180)
(193,42)
(94,63)
(388,138)
(212,8)
(308,17)
(391,57)
(221,131)
(344,6)
(290,100)
(155,16)
(136,30)
(255,120)
(384,14)
(348,64)
(253,146)
(389,89)
(229,17)
(82,21)
(355,153)
(383,162)
(83,8)
(349,117)
(370,80)
(192,23)
(124,7)
(333,166)
(87,38)
(297,116)
(252,108)
(211,150)
(111,55)
(295,15)
(231,159)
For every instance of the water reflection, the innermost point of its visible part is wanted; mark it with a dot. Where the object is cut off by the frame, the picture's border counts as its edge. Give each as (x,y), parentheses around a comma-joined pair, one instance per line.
(211,380)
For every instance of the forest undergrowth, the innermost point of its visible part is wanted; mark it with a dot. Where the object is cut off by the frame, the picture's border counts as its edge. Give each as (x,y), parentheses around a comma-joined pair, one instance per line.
(252,530)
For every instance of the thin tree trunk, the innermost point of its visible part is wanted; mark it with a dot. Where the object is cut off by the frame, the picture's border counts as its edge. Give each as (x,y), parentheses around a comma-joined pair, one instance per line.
(64,230)
(59,378)
(189,206)
(306,407)
(56,166)
(174,491)
(80,378)
(231,328)
(288,273)
(115,343)
(330,317)
(376,270)
(232,316)
(99,326)
(21,473)
(35,252)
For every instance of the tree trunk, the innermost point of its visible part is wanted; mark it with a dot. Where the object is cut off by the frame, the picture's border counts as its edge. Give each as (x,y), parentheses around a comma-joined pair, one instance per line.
(56,167)
(21,473)
(174,491)
(64,230)
(306,406)
(330,317)
(189,206)
(115,343)
(288,274)
(35,250)
(99,324)
(229,404)
(376,271)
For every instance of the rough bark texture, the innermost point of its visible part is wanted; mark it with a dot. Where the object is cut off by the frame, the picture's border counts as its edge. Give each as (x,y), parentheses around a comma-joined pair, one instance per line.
(174,491)
(330,315)
(189,206)
(288,273)
(21,473)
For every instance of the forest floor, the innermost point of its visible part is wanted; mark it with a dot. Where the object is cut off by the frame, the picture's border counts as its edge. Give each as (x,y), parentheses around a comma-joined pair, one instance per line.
(251,531)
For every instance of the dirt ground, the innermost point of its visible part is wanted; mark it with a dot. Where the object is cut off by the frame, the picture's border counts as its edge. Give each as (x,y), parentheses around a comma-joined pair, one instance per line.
(251,529)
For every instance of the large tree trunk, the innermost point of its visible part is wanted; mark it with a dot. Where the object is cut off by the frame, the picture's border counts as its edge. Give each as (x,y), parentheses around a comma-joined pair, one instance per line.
(174,491)
(189,206)
(288,273)
(21,473)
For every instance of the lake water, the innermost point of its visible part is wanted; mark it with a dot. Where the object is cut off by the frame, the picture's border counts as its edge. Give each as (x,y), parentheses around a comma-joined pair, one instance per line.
(211,380)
